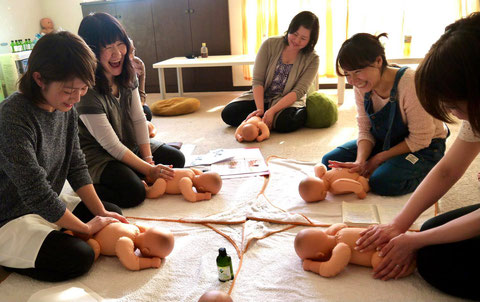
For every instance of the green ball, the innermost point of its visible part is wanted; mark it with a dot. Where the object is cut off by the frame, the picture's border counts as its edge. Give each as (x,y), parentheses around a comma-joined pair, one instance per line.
(322,112)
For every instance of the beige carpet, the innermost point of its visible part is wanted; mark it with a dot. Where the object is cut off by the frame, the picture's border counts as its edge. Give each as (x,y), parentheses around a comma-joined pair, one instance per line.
(207,131)
(265,264)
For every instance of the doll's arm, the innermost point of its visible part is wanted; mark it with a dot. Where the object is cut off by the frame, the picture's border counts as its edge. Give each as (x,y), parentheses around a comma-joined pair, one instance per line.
(264,130)
(334,228)
(157,189)
(186,188)
(340,258)
(125,250)
(346,185)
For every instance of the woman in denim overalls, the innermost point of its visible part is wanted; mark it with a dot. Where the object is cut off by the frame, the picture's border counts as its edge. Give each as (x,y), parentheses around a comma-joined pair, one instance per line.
(398,142)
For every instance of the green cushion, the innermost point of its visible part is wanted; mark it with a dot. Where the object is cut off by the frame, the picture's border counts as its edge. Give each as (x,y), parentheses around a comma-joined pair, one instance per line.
(175,106)
(322,112)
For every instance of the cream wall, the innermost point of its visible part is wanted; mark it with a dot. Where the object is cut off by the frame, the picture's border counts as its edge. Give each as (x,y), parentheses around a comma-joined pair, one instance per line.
(20,19)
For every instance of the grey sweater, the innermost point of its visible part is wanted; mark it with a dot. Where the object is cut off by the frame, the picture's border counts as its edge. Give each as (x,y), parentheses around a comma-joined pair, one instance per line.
(39,150)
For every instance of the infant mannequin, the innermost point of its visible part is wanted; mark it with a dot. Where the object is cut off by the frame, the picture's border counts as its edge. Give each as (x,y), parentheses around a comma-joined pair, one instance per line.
(215,296)
(336,181)
(252,129)
(46,25)
(328,252)
(183,182)
(121,240)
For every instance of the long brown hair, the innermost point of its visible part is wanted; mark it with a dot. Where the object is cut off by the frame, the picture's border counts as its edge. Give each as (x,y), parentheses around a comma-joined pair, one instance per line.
(99,30)
(360,51)
(450,72)
(58,57)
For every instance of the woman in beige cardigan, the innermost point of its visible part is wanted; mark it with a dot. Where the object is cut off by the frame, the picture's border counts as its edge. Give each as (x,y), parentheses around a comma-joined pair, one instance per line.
(284,69)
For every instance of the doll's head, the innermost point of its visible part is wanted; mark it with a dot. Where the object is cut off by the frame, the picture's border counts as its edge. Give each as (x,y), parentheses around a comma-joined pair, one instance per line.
(215,296)
(250,132)
(312,189)
(313,244)
(208,182)
(155,242)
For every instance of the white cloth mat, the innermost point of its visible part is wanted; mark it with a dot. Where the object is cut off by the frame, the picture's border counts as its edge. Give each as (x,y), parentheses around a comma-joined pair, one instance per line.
(282,202)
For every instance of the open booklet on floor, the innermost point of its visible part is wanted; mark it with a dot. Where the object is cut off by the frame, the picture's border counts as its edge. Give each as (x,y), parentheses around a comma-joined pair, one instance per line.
(365,214)
(230,163)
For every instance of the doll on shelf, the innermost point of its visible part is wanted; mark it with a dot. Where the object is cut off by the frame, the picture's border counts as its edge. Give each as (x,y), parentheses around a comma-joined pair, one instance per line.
(122,240)
(328,252)
(206,185)
(251,130)
(335,181)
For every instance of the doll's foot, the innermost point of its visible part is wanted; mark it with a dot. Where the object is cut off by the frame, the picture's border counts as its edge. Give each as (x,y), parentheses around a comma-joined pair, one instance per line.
(152,130)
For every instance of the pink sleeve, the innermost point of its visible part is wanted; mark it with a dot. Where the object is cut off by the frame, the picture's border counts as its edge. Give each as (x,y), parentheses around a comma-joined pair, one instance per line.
(421,125)
(363,121)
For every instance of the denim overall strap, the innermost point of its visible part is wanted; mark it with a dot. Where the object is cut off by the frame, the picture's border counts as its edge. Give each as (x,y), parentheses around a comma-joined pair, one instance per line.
(393,108)
(387,123)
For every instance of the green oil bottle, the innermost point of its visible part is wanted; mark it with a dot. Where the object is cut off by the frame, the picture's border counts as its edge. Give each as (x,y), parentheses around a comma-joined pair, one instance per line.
(224,265)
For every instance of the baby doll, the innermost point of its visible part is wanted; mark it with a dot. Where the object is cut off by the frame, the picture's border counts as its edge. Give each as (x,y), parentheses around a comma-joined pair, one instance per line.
(121,240)
(215,296)
(337,181)
(328,252)
(183,182)
(252,129)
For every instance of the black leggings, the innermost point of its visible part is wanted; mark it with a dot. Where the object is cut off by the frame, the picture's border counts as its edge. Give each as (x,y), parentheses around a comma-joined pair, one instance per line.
(453,267)
(287,120)
(62,257)
(121,185)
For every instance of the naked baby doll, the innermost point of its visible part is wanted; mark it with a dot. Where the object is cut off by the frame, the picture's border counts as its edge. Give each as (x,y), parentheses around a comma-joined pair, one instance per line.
(121,240)
(215,296)
(328,252)
(252,129)
(335,181)
(183,183)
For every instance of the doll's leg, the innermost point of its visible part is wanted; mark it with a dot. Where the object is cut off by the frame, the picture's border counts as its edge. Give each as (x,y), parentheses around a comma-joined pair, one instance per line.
(376,261)
(340,258)
(157,189)
(186,188)
(334,228)
(346,185)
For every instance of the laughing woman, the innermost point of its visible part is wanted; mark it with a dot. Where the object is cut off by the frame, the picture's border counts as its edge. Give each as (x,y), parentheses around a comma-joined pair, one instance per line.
(398,141)
(113,129)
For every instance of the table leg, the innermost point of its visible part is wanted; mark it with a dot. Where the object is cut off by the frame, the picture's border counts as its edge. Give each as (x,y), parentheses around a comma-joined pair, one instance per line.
(180,81)
(340,90)
(161,79)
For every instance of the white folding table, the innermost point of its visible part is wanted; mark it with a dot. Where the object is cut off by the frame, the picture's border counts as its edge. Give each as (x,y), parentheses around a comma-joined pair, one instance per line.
(183,62)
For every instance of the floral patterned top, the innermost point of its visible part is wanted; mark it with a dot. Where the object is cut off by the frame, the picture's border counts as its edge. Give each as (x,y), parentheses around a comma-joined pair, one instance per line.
(279,80)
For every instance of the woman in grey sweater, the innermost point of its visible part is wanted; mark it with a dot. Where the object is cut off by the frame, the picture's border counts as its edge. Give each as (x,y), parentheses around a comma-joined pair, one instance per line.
(39,150)
(284,69)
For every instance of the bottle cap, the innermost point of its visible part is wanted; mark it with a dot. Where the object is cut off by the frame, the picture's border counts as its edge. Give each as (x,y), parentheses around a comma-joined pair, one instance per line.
(222,252)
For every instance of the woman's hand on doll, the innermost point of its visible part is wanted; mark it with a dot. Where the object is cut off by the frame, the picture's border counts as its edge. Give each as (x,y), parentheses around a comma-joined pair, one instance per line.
(376,236)
(98,223)
(258,112)
(354,167)
(268,118)
(160,171)
(398,255)
(114,215)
